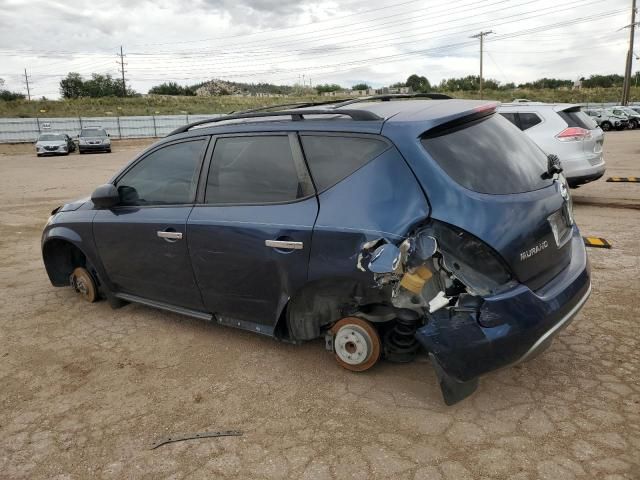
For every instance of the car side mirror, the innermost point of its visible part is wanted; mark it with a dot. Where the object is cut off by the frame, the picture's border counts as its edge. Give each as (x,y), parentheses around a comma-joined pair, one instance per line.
(105,196)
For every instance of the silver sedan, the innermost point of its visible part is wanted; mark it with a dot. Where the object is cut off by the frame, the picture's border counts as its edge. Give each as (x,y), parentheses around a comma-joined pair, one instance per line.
(54,144)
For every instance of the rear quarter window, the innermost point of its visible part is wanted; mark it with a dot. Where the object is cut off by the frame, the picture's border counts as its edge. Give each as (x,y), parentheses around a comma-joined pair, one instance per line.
(511,117)
(529,120)
(333,158)
(489,155)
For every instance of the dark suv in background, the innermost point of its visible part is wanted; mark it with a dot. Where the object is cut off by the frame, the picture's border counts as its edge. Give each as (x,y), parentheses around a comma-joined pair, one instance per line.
(386,226)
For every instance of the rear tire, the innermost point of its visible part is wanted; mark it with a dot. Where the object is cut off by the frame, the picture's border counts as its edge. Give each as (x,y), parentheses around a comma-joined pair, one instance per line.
(356,344)
(605,126)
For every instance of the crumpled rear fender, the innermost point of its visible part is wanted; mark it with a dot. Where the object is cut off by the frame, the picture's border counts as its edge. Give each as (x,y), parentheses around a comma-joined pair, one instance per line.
(505,329)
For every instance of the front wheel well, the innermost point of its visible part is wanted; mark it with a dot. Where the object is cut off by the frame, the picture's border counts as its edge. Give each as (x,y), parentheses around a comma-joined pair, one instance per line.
(60,259)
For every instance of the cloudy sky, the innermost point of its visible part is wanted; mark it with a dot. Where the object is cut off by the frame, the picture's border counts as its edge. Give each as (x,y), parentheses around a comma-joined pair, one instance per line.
(295,41)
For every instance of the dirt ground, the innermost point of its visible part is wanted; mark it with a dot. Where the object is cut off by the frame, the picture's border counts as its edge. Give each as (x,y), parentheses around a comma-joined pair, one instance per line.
(85,390)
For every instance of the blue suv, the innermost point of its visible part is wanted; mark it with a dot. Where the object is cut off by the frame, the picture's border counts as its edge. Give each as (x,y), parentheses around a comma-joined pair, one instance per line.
(387,226)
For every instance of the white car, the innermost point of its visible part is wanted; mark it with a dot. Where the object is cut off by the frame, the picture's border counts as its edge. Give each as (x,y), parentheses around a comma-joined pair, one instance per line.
(565,131)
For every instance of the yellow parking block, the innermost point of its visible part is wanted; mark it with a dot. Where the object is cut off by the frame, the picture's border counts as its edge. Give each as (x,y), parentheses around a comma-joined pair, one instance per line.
(624,179)
(596,242)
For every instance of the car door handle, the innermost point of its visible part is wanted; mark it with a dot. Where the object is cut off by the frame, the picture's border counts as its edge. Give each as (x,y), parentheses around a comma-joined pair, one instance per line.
(284,244)
(168,235)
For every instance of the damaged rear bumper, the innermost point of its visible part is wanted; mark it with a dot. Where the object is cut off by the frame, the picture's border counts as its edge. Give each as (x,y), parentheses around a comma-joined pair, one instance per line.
(507,329)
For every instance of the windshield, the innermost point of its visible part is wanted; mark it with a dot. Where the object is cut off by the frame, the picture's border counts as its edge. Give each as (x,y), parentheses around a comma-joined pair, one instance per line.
(93,132)
(49,137)
(489,155)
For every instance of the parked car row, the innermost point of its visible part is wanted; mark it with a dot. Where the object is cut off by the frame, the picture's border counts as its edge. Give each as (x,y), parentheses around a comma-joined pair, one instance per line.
(619,117)
(93,139)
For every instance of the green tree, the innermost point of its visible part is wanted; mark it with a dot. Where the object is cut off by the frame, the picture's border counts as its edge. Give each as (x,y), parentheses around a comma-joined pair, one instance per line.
(172,88)
(470,83)
(418,83)
(489,84)
(361,86)
(547,83)
(102,86)
(603,81)
(328,87)
(72,86)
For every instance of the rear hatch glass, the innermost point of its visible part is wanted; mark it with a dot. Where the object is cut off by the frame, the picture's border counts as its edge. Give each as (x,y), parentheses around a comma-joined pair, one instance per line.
(489,155)
(577,118)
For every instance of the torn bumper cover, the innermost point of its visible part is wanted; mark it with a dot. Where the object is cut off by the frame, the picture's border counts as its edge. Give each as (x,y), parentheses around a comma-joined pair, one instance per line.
(508,328)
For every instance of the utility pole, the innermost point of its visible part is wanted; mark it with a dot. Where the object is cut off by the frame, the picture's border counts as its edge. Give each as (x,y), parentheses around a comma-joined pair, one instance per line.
(26,80)
(627,73)
(481,36)
(124,85)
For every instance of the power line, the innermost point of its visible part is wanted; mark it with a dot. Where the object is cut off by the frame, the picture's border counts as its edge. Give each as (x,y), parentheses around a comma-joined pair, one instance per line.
(421,52)
(281,29)
(279,58)
(254,71)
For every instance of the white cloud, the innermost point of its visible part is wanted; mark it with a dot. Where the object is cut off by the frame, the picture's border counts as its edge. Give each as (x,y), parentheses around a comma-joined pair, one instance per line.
(328,41)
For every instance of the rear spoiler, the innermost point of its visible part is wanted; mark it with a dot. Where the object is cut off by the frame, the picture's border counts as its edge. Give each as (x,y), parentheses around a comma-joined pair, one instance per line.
(461,119)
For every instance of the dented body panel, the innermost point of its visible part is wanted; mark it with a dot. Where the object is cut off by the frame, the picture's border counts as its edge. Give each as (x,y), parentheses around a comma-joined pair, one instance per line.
(510,223)
(382,200)
(520,317)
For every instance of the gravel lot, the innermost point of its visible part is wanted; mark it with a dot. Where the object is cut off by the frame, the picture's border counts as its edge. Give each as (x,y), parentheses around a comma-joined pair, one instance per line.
(85,390)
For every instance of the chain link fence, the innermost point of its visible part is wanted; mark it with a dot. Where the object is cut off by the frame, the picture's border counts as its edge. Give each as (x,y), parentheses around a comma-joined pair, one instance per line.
(23,130)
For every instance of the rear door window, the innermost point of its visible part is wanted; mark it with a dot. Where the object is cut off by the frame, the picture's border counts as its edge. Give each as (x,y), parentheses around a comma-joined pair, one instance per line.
(489,156)
(577,118)
(333,158)
(528,120)
(256,170)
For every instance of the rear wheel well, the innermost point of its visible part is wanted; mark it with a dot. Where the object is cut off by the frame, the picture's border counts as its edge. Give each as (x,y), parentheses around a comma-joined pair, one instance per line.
(60,259)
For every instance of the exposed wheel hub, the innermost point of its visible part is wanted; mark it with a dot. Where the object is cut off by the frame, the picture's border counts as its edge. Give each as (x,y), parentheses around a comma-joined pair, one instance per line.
(352,344)
(356,344)
(83,283)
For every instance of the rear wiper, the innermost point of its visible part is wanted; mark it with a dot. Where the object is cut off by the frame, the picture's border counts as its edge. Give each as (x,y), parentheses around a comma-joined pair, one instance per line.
(553,166)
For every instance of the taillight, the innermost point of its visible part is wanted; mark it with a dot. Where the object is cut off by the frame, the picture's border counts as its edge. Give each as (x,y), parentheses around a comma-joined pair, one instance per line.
(573,134)
(472,261)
